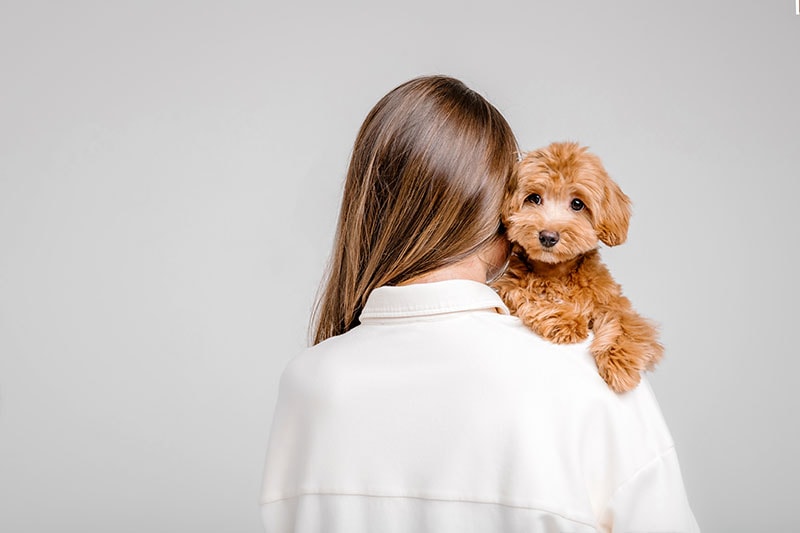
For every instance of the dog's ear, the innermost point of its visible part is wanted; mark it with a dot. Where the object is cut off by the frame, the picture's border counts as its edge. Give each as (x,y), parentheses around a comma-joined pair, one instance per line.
(613,216)
(510,203)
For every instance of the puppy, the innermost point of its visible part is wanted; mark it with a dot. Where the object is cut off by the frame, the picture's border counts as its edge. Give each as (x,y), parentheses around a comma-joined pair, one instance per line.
(560,204)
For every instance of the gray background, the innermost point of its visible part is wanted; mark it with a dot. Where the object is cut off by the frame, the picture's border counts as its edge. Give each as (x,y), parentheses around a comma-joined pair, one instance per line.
(170,174)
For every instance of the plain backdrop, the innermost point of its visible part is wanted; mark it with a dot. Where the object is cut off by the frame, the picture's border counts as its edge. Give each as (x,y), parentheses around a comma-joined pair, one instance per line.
(170,175)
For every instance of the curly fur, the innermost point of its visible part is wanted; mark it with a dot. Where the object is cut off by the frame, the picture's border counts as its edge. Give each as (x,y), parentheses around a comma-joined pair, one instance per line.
(562,290)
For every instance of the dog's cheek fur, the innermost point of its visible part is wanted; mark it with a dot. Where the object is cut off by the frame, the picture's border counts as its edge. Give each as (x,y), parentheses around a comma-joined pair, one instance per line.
(523,230)
(577,238)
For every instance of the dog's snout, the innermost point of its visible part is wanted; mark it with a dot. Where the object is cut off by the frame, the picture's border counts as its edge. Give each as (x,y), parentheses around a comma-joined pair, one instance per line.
(548,238)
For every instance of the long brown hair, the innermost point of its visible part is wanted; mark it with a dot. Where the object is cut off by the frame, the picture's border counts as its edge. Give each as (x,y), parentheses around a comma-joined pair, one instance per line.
(423,190)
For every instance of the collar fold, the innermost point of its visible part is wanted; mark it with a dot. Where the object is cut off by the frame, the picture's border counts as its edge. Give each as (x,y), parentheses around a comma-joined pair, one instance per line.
(427,299)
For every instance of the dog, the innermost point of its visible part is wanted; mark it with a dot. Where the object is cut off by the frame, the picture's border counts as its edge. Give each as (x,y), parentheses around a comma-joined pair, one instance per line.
(560,204)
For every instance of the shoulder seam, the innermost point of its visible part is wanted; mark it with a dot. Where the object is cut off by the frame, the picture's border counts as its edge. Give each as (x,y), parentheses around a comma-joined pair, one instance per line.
(583,521)
(647,465)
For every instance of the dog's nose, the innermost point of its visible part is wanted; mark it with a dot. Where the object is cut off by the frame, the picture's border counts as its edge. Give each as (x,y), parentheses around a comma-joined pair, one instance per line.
(548,238)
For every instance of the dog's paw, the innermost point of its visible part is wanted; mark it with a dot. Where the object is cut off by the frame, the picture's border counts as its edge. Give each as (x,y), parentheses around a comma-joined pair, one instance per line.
(617,372)
(562,331)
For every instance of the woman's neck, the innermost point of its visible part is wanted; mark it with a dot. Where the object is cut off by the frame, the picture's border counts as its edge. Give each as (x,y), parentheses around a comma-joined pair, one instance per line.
(471,268)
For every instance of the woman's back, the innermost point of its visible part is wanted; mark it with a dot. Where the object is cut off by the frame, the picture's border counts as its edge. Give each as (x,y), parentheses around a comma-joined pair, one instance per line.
(438,413)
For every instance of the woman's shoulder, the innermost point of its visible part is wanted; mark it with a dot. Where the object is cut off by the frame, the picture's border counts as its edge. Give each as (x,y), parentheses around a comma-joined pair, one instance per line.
(493,350)
(486,365)
(570,372)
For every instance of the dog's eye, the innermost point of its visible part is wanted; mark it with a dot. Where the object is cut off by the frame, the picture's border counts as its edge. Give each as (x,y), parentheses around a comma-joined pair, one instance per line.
(534,198)
(576,204)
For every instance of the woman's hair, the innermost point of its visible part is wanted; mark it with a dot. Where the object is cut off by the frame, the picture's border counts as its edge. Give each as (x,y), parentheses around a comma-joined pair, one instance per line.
(423,190)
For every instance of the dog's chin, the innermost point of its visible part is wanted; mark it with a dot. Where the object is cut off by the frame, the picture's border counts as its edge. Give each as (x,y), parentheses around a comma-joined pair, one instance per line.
(549,255)
(557,254)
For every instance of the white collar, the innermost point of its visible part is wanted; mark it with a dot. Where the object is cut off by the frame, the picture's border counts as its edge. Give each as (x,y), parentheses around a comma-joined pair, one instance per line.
(436,298)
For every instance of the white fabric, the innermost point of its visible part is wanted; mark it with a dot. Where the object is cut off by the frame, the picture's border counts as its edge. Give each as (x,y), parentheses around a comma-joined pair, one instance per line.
(440,414)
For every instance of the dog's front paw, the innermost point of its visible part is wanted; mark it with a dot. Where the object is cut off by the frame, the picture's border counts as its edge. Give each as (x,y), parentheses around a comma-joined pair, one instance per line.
(561,331)
(617,371)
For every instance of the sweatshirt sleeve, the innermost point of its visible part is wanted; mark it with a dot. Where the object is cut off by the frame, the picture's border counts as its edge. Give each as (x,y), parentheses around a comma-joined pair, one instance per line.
(652,500)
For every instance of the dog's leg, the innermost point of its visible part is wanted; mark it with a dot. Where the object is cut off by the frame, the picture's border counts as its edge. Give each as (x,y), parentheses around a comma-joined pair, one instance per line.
(624,345)
(561,323)
(558,323)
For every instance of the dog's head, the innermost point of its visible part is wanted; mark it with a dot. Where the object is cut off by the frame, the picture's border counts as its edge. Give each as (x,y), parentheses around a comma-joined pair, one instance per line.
(561,201)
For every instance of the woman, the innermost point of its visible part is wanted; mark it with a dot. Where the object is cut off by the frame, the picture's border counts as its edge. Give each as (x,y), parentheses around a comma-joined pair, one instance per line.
(423,406)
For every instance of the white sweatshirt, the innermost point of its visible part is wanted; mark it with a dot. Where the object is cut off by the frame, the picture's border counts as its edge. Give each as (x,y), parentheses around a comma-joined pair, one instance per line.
(442,413)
